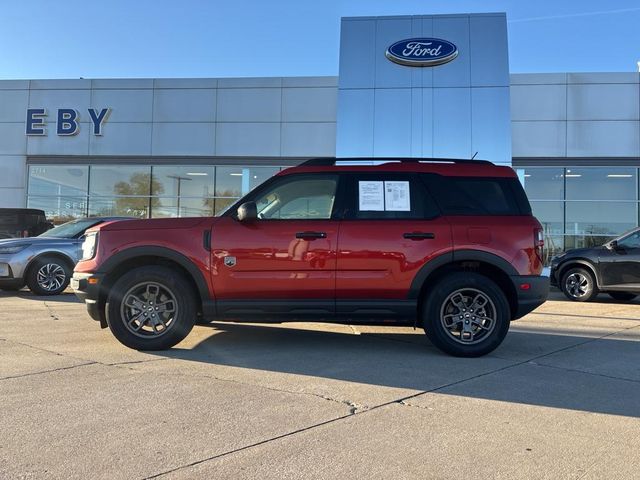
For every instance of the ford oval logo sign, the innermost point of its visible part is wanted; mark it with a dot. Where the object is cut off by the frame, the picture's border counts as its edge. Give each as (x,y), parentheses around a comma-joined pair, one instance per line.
(422,52)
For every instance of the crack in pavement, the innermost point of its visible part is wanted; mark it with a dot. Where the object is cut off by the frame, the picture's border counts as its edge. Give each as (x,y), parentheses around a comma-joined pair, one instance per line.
(51,311)
(400,401)
(47,371)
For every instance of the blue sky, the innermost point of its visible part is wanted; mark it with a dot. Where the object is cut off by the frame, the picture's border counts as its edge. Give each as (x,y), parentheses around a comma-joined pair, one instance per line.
(198,38)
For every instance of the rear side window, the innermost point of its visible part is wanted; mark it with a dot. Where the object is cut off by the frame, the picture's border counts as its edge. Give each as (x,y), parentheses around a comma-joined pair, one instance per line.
(478,195)
(388,196)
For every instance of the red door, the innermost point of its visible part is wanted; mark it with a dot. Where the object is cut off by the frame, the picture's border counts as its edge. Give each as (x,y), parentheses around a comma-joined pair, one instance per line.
(284,261)
(383,243)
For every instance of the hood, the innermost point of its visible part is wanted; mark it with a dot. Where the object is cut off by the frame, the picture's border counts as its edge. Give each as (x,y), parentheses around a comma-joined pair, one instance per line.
(35,241)
(153,224)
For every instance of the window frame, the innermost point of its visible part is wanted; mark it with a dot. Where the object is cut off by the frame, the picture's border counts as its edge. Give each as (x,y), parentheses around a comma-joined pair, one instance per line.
(276,180)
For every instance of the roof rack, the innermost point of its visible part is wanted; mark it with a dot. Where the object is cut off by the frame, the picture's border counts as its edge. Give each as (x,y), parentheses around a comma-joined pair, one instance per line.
(327,161)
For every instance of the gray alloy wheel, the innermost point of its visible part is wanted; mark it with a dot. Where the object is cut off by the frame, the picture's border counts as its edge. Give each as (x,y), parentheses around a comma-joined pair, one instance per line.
(149,309)
(48,276)
(468,316)
(579,285)
(51,276)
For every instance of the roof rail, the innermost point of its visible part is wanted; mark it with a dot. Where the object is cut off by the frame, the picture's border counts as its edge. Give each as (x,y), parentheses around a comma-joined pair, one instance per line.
(327,161)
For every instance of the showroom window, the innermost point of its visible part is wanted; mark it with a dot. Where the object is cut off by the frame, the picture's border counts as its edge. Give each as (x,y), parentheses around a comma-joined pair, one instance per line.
(66,192)
(581,206)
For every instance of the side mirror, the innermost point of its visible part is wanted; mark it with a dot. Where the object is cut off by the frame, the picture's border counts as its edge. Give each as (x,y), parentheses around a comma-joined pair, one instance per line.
(247,212)
(613,245)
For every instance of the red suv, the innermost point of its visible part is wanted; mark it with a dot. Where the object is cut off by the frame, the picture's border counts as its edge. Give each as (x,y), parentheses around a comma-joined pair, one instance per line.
(449,245)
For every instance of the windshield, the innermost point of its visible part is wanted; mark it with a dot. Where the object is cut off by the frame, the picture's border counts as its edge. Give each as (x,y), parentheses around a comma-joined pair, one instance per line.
(70,229)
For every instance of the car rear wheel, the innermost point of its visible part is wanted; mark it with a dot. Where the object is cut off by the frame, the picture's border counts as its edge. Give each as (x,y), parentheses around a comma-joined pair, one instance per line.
(579,285)
(466,315)
(48,276)
(622,296)
(151,308)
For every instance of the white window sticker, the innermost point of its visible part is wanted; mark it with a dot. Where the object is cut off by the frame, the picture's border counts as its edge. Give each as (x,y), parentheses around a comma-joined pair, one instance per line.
(396,196)
(371,196)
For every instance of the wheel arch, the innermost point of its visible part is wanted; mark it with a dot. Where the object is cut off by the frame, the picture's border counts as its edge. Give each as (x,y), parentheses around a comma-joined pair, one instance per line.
(578,262)
(494,267)
(135,257)
(52,254)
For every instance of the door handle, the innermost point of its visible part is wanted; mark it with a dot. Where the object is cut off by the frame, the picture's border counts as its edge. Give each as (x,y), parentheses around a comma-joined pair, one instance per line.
(310,235)
(418,236)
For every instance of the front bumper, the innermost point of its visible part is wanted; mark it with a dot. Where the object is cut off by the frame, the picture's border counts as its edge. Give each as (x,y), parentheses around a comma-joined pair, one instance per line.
(532,291)
(87,286)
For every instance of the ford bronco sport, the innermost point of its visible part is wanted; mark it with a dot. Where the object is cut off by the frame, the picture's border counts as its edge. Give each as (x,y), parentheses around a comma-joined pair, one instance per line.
(450,246)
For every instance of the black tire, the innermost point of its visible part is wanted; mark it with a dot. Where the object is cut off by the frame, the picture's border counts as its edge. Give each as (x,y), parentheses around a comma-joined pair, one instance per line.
(138,288)
(622,296)
(48,276)
(440,304)
(579,285)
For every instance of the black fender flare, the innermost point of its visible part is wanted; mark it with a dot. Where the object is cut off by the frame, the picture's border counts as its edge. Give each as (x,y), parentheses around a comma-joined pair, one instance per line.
(162,252)
(457,256)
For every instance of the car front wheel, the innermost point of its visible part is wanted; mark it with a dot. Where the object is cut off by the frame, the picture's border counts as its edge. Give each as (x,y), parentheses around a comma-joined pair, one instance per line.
(151,308)
(466,315)
(579,285)
(48,276)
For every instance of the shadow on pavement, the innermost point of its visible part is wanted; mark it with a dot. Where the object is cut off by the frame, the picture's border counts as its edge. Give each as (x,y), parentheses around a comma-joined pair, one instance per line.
(65,297)
(409,361)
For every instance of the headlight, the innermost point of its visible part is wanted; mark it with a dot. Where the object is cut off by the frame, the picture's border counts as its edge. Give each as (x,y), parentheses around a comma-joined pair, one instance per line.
(89,246)
(14,248)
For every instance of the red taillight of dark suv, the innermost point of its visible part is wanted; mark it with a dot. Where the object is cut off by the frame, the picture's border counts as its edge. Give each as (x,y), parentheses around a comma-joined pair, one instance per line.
(441,244)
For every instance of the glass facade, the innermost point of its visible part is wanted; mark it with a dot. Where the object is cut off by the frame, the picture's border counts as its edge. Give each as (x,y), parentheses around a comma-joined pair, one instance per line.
(66,192)
(581,206)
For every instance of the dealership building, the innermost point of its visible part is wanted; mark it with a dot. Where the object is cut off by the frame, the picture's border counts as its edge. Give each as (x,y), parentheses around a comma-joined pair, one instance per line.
(411,86)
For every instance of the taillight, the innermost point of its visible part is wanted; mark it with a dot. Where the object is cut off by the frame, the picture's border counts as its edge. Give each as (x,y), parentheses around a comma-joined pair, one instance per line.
(538,241)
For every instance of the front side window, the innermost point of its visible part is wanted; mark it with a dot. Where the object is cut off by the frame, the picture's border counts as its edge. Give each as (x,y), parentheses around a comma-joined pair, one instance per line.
(630,241)
(302,198)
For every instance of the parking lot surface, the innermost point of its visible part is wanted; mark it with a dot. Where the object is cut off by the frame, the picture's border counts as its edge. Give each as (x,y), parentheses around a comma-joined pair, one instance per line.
(559,399)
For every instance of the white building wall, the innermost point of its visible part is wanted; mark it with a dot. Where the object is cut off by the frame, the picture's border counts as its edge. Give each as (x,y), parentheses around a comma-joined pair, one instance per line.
(225,117)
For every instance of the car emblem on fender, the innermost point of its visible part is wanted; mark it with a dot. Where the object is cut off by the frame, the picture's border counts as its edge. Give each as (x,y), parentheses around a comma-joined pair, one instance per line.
(422,52)
(230,261)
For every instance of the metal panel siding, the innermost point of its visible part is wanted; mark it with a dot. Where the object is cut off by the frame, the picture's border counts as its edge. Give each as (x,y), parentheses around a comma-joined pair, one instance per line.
(184,105)
(488,49)
(602,102)
(13,105)
(357,53)
(13,140)
(13,172)
(53,144)
(389,74)
(126,105)
(122,139)
(452,123)
(13,197)
(488,122)
(539,139)
(354,132)
(51,100)
(392,122)
(538,102)
(308,139)
(309,104)
(603,138)
(412,111)
(249,105)
(191,138)
(237,139)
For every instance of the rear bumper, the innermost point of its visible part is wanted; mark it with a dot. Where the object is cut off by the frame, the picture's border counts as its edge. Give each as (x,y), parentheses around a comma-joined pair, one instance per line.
(89,293)
(532,291)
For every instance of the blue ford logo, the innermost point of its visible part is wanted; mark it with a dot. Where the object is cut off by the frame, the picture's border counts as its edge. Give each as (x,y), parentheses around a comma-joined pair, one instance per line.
(422,52)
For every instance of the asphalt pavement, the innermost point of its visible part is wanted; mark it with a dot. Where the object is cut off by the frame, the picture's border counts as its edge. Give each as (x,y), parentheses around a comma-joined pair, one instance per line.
(560,399)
